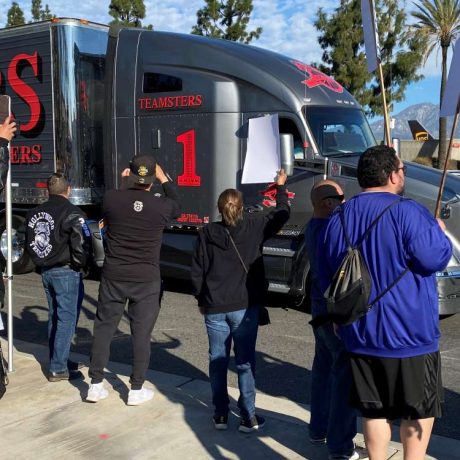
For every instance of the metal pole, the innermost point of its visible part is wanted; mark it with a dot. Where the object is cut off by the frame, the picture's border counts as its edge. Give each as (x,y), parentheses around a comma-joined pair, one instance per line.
(386,118)
(9,266)
(444,173)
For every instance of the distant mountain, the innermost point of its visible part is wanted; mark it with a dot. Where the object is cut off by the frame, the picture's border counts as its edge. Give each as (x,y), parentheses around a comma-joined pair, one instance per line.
(426,113)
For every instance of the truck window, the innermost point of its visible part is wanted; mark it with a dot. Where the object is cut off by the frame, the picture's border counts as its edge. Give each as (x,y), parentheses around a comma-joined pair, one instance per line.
(339,131)
(161,83)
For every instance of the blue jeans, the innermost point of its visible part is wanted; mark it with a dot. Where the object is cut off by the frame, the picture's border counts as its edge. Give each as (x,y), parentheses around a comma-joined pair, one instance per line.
(332,417)
(64,292)
(241,327)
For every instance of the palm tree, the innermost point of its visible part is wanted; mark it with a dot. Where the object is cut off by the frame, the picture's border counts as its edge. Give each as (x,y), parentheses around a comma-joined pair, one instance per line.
(439,21)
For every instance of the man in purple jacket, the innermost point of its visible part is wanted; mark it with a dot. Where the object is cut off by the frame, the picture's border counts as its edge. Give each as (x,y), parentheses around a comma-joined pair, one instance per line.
(394,349)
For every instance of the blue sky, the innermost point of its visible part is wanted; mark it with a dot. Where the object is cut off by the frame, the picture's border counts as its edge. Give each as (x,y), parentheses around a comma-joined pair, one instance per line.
(288,29)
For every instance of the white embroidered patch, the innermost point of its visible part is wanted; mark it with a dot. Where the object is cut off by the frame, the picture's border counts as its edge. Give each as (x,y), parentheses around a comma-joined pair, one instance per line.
(138,205)
(42,224)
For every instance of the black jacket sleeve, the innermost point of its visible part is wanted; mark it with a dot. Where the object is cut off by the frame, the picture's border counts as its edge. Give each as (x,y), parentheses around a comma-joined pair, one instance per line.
(4,158)
(171,193)
(79,234)
(275,220)
(197,266)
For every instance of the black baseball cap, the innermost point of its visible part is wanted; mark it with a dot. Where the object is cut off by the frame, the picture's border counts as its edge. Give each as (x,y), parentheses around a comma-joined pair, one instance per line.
(143,169)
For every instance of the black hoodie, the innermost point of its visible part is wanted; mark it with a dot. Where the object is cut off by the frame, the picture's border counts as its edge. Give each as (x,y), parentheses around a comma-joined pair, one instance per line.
(219,280)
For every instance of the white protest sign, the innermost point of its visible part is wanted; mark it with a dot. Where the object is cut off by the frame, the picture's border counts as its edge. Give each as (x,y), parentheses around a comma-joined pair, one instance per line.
(452,91)
(263,152)
(371,39)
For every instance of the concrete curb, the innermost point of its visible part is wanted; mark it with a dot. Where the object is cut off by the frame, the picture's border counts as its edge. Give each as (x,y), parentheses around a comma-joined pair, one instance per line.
(177,424)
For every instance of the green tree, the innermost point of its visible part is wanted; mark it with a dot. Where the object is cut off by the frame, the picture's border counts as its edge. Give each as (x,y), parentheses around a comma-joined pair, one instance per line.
(226,19)
(342,40)
(127,13)
(439,21)
(15,16)
(46,14)
(39,14)
(36,10)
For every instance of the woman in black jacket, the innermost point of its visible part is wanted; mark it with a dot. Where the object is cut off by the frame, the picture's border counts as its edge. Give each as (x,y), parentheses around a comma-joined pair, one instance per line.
(229,282)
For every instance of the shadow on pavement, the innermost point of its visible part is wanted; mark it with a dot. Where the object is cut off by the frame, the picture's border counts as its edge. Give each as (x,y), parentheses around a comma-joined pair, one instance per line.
(289,433)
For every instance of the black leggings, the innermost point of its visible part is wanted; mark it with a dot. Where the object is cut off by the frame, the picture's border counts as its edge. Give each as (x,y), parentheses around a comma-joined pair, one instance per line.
(143,309)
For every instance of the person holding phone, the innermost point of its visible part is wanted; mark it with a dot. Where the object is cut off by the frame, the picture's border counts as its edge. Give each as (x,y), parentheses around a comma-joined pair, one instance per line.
(7,131)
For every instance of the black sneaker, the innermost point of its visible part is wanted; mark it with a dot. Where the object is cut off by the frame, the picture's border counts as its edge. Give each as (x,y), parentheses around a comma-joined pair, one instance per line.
(252,424)
(74,366)
(65,375)
(220,422)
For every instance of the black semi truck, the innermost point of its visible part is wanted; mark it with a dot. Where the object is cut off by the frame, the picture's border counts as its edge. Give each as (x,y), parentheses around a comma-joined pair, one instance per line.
(89,98)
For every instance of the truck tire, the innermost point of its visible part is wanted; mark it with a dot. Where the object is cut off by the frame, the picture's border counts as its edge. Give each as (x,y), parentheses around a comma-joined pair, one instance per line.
(21,260)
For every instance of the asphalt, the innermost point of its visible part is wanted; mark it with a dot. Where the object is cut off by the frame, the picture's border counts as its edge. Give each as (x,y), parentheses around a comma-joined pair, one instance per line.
(43,420)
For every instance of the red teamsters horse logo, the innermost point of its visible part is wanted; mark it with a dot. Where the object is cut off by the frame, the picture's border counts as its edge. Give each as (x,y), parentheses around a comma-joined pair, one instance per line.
(269,195)
(318,78)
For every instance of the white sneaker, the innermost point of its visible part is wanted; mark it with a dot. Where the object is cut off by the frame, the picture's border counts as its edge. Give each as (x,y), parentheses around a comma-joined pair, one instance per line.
(96,392)
(354,456)
(137,397)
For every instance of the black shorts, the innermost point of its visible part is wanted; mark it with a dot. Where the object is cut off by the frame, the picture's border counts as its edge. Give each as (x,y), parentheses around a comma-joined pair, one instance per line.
(397,388)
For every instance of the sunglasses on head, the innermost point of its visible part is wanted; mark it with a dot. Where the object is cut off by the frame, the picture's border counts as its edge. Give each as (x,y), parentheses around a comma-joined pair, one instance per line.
(335,197)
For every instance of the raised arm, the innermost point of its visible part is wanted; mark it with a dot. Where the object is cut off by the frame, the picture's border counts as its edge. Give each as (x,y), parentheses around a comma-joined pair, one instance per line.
(275,220)
(169,190)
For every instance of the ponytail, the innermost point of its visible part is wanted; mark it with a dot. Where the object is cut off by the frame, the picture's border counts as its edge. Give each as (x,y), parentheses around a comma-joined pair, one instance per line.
(230,205)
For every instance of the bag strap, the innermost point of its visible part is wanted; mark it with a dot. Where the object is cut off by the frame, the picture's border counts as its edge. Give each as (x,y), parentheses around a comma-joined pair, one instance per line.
(237,252)
(364,237)
(394,283)
(371,226)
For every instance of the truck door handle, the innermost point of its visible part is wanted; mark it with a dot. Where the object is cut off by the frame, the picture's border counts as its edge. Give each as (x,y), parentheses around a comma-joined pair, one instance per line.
(156,139)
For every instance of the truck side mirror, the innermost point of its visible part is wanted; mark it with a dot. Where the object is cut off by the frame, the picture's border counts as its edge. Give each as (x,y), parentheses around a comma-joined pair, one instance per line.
(396,145)
(287,153)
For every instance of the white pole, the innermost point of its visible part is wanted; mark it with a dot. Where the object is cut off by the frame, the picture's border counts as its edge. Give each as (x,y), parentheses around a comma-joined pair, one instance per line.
(9,267)
(9,261)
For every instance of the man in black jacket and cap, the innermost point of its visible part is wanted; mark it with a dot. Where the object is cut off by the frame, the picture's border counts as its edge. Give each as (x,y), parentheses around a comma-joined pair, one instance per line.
(57,241)
(135,219)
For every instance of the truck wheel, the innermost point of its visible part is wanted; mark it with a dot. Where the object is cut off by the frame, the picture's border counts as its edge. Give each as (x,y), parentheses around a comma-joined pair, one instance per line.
(21,260)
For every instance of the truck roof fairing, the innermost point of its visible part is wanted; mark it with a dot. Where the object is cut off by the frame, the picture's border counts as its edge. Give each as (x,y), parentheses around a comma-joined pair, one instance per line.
(296,84)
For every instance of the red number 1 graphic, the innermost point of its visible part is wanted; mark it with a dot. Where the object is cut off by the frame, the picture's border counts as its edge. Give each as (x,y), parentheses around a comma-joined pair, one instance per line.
(189,178)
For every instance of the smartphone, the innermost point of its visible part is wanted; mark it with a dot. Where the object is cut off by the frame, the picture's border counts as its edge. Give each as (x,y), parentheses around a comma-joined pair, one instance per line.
(5,107)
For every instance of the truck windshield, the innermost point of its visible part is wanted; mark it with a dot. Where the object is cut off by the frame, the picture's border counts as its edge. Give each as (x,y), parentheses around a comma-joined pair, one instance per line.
(339,131)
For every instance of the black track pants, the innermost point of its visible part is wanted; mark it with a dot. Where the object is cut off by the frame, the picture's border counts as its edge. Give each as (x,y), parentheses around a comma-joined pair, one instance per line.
(143,309)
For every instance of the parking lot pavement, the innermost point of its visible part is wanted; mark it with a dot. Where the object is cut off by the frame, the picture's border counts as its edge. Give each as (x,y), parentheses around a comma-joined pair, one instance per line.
(50,420)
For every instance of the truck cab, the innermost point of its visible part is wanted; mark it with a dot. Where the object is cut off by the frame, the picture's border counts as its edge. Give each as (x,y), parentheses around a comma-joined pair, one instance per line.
(188,99)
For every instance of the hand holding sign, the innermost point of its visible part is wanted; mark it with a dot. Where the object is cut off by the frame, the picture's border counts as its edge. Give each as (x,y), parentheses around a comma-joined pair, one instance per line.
(7,126)
(7,129)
